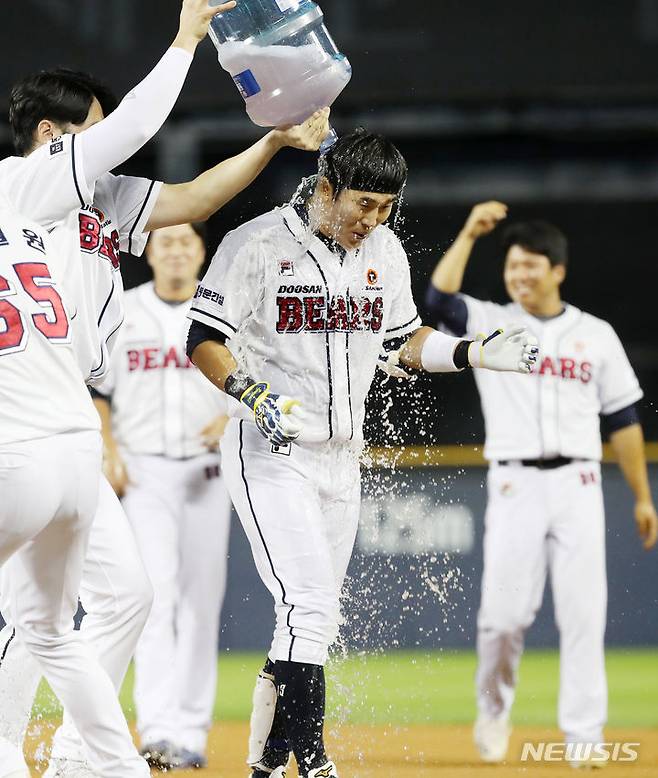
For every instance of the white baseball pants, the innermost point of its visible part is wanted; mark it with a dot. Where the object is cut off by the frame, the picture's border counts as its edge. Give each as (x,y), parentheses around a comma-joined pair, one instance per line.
(180,512)
(49,493)
(539,521)
(300,510)
(116,594)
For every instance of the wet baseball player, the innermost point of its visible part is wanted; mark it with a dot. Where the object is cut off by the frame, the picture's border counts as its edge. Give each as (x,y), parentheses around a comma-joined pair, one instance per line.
(50,458)
(290,320)
(62,181)
(162,422)
(545,505)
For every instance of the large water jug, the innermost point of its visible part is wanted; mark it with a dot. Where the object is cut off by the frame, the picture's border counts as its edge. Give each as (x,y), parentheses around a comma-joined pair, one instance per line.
(281,57)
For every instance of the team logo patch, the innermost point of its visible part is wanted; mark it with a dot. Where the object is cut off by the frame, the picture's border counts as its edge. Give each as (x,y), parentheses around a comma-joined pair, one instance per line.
(507,489)
(283,451)
(56,147)
(372,277)
(286,267)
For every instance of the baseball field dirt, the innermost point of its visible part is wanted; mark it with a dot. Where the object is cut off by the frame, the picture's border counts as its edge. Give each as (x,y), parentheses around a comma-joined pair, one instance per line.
(406,752)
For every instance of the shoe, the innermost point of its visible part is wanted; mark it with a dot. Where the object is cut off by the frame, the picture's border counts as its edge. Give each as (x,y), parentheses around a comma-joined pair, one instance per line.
(491,738)
(327,770)
(160,755)
(12,761)
(189,760)
(279,772)
(68,768)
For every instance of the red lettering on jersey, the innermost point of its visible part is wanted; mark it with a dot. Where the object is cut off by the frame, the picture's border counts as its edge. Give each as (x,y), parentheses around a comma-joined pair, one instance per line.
(291,314)
(150,358)
(355,315)
(133,359)
(171,358)
(111,249)
(377,314)
(90,232)
(547,366)
(337,315)
(314,310)
(568,368)
(585,372)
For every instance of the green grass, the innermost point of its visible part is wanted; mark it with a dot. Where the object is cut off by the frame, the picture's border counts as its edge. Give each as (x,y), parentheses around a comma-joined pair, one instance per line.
(418,687)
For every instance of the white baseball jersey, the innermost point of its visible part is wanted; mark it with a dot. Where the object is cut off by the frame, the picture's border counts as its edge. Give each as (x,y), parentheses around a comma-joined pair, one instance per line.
(304,320)
(90,228)
(42,391)
(583,372)
(160,401)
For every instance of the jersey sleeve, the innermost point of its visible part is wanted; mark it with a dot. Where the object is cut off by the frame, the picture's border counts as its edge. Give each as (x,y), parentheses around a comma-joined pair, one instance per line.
(618,385)
(135,199)
(49,183)
(404,317)
(226,295)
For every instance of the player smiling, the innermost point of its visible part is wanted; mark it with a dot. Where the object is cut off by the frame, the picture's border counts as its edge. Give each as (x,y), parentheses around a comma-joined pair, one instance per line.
(301,364)
(543,441)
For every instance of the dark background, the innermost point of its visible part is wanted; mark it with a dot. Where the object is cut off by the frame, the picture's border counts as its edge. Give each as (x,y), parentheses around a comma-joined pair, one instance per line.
(551,108)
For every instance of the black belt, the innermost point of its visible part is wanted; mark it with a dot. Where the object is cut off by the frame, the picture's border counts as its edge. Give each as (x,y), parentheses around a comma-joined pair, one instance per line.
(542,464)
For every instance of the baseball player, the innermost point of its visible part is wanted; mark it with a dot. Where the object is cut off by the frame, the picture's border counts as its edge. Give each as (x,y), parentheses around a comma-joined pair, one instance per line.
(543,443)
(63,182)
(290,320)
(162,421)
(50,453)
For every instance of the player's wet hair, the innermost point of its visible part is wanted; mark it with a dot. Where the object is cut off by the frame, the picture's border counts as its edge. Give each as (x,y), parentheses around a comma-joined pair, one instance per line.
(540,238)
(366,162)
(62,96)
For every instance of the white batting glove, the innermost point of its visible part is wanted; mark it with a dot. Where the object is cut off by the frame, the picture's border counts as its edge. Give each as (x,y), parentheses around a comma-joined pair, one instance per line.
(279,418)
(389,362)
(513,350)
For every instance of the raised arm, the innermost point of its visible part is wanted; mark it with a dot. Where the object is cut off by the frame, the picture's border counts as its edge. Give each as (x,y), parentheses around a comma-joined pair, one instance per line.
(199,199)
(449,273)
(145,108)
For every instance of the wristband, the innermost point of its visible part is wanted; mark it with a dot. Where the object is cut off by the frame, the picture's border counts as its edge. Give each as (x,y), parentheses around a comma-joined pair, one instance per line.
(460,356)
(438,353)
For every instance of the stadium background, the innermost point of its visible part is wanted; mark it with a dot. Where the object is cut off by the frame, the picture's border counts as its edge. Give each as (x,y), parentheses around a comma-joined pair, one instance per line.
(550,108)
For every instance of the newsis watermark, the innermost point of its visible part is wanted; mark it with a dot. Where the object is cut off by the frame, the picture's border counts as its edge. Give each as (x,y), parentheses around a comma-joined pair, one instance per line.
(580,752)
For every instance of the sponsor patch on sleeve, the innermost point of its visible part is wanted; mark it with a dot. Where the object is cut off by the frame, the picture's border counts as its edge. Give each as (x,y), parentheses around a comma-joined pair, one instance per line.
(203,293)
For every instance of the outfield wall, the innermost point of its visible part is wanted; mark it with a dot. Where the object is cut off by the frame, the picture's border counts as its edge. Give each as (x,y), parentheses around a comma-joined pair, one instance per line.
(415,576)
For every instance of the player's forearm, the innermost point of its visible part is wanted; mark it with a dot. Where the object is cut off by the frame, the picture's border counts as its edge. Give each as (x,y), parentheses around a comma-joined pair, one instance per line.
(199,199)
(137,119)
(430,350)
(105,412)
(448,275)
(215,361)
(628,445)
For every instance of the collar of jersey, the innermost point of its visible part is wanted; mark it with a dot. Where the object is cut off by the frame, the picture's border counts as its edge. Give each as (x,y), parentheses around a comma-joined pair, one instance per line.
(301,212)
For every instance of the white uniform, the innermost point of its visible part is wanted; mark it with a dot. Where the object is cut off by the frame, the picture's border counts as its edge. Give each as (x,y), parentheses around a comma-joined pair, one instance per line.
(312,325)
(541,520)
(180,511)
(115,589)
(49,467)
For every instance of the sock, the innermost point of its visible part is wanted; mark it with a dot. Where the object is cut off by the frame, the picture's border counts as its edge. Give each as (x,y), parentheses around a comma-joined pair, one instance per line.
(277,747)
(301,700)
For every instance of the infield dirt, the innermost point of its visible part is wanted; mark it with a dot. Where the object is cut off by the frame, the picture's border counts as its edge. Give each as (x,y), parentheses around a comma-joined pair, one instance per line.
(406,752)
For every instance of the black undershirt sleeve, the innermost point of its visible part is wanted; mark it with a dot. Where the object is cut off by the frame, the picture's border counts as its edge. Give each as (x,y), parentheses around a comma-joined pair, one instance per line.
(622,418)
(447,309)
(198,333)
